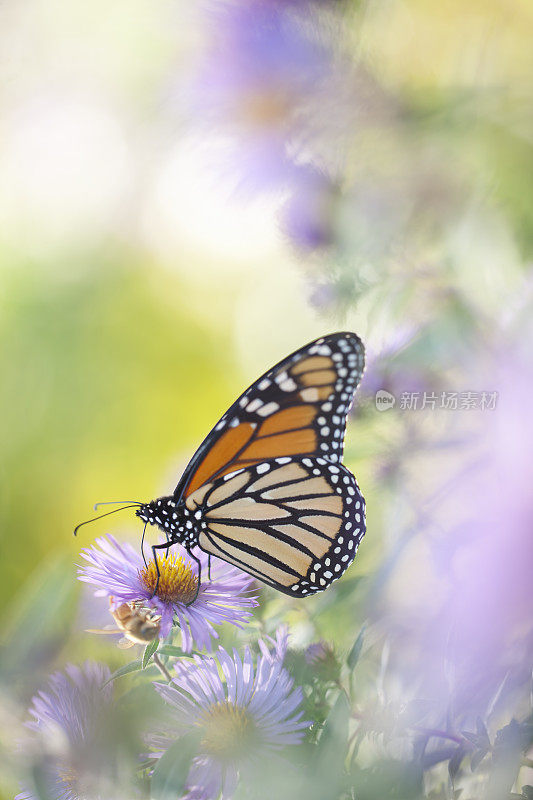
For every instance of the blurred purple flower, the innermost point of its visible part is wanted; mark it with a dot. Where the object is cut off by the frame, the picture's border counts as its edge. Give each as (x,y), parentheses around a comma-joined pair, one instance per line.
(308,217)
(491,549)
(258,78)
(242,719)
(66,720)
(397,367)
(321,296)
(317,652)
(472,621)
(320,656)
(119,572)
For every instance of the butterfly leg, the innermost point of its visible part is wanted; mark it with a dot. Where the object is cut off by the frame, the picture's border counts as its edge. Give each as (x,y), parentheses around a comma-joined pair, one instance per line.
(155,547)
(142,545)
(198,564)
(209,567)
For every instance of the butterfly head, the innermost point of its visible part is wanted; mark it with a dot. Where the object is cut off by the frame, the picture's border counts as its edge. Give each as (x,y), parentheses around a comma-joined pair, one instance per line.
(157,512)
(147,512)
(167,513)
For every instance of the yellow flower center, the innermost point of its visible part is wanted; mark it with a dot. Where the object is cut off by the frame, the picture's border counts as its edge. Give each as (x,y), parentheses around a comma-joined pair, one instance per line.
(68,775)
(227,731)
(266,108)
(177,583)
(83,784)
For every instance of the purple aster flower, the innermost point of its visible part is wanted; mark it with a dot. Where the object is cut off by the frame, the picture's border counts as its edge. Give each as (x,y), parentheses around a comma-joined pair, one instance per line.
(119,573)
(320,657)
(241,717)
(67,720)
(262,80)
(308,218)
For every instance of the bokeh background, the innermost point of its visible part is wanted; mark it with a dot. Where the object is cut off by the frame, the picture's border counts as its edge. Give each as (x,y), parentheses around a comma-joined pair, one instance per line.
(189,192)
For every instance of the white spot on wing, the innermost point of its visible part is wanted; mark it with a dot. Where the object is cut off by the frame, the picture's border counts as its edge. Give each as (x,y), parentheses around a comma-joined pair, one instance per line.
(288,385)
(255,404)
(309,395)
(231,474)
(268,409)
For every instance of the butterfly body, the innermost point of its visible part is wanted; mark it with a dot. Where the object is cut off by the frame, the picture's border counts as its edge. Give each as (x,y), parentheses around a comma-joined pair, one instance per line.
(266,490)
(169,515)
(294,523)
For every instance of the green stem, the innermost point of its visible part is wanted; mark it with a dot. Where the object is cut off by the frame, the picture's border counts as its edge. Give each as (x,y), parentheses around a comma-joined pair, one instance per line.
(159,664)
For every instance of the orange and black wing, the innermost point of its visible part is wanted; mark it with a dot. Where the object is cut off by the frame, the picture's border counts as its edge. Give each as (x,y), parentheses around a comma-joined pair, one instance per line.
(293,523)
(297,408)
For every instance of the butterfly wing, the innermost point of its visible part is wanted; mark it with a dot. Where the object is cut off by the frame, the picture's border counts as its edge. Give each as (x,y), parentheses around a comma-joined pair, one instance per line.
(297,408)
(293,523)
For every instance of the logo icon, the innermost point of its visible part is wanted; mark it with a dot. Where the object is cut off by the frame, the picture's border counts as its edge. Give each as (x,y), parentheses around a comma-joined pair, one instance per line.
(384,400)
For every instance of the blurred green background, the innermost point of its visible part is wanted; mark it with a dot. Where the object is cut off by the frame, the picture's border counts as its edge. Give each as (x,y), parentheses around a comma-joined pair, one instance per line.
(140,293)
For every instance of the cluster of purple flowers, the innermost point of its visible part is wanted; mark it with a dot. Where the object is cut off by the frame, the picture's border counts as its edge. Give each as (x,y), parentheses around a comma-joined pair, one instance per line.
(239,710)
(240,717)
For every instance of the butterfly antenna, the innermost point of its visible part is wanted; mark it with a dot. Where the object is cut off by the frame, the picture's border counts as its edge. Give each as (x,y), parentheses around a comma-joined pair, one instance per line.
(131,505)
(116,503)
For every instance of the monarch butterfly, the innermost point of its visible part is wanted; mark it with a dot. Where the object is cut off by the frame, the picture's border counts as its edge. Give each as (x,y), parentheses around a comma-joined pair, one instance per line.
(266,490)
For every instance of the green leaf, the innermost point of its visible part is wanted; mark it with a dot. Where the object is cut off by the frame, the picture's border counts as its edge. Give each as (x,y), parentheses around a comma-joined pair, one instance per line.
(454,763)
(477,757)
(472,737)
(516,736)
(334,735)
(133,666)
(355,652)
(482,731)
(39,621)
(388,779)
(40,784)
(172,650)
(172,769)
(149,650)
(332,749)
(510,742)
